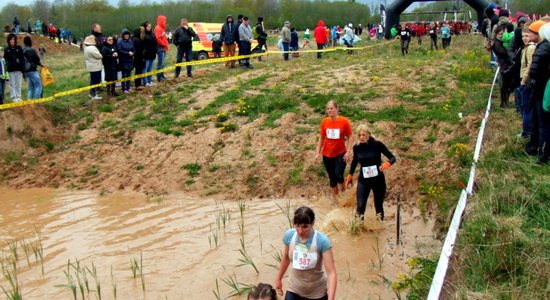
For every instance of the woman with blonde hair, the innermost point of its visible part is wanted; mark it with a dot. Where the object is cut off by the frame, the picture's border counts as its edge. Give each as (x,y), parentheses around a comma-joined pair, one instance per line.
(334,144)
(368,153)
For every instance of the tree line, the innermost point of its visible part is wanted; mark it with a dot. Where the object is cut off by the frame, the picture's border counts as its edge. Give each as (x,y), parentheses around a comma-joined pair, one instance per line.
(78,15)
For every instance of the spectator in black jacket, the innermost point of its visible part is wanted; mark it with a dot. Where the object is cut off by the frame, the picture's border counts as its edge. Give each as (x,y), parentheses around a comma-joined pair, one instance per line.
(139,58)
(505,64)
(183,39)
(539,75)
(34,84)
(261,37)
(228,38)
(126,54)
(110,62)
(237,36)
(15,61)
(150,48)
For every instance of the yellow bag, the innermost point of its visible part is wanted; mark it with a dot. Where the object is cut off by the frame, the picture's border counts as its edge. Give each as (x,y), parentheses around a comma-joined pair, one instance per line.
(46,76)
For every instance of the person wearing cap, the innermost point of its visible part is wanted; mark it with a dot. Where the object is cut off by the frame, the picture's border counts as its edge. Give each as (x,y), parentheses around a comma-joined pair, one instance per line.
(4,75)
(246,36)
(261,37)
(349,37)
(285,32)
(538,77)
(94,64)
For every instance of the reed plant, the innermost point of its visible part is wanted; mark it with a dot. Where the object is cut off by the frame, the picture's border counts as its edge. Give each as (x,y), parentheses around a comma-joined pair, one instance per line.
(287,211)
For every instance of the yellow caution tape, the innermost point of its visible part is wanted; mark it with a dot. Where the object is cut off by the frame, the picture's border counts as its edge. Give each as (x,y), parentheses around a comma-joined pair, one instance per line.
(172,67)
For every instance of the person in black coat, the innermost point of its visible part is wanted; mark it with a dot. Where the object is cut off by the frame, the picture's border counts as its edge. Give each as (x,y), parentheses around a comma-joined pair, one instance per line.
(505,63)
(15,64)
(539,75)
(139,58)
(183,39)
(150,48)
(126,54)
(34,84)
(110,62)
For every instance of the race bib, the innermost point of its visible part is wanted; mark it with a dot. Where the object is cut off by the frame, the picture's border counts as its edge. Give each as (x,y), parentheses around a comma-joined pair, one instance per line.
(369,172)
(303,260)
(403,33)
(333,134)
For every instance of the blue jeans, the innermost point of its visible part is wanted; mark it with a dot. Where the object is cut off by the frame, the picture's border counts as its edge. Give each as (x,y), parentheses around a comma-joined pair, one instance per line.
(161,54)
(517,99)
(34,85)
(148,68)
(526,110)
(286,47)
(95,78)
(188,52)
(126,84)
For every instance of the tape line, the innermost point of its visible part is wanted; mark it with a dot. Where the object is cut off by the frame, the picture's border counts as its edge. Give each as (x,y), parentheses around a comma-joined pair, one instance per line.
(172,67)
(447,250)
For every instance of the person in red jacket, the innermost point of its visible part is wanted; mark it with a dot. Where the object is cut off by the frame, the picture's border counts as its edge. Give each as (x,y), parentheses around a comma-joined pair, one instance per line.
(162,41)
(320,36)
(420,31)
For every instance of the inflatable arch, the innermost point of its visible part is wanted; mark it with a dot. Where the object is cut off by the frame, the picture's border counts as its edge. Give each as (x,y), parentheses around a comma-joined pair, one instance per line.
(394,10)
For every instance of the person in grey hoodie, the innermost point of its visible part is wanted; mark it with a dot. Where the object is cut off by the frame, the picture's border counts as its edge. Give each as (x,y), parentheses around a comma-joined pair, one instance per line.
(246,37)
(227,36)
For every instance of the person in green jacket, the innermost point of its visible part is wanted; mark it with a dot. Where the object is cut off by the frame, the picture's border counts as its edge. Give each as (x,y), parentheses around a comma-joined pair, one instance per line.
(393,32)
(508,35)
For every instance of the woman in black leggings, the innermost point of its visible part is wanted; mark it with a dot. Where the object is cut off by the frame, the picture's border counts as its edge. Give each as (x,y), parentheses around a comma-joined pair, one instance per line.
(368,153)
(335,134)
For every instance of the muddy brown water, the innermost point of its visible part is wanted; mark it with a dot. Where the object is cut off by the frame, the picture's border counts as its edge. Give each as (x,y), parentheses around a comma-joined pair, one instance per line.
(176,238)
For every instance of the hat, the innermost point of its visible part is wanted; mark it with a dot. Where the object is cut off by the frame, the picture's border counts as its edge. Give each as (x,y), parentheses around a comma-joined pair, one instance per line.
(522,19)
(535,27)
(287,22)
(260,19)
(504,13)
(350,25)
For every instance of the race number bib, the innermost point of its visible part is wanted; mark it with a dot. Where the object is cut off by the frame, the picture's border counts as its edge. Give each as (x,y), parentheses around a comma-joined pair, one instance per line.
(369,172)
(304,260)
(333,134)
(403,33)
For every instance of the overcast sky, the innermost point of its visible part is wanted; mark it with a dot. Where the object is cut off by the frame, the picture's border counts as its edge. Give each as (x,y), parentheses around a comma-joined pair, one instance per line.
(114,2)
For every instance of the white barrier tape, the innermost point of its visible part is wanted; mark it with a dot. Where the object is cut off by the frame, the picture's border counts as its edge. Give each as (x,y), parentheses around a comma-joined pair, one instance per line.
(443,263)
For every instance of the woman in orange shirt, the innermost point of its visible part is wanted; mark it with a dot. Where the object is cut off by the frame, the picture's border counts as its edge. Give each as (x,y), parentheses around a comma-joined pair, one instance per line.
(335,134)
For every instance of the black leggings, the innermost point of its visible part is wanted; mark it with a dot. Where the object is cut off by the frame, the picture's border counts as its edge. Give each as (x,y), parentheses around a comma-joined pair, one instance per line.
(293,296)
(335,167)
(378,187)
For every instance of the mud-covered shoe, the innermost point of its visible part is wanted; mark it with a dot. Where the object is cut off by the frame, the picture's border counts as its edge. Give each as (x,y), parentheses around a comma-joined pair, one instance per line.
(334,191)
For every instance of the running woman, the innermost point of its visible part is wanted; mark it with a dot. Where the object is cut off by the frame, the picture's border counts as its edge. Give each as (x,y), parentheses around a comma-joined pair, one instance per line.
(368,153)
(335,133)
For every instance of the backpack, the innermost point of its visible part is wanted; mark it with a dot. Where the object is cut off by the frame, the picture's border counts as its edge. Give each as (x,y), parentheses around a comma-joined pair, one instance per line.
(28,65)
(255,32)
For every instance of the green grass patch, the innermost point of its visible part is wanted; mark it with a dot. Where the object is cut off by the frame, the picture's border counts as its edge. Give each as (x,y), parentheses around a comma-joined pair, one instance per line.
(192,169)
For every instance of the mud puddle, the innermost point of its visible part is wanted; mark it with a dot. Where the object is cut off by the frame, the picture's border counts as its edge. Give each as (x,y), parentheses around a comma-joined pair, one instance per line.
(183,245)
